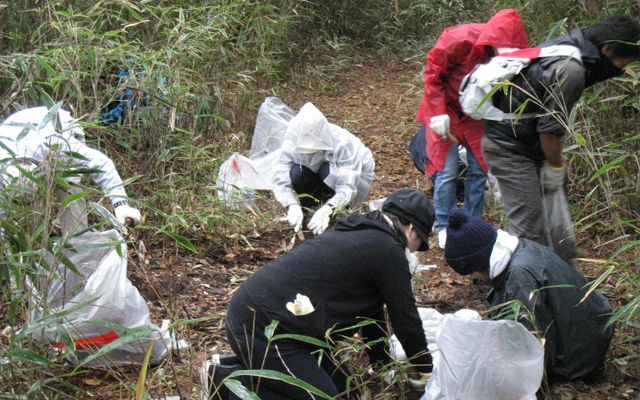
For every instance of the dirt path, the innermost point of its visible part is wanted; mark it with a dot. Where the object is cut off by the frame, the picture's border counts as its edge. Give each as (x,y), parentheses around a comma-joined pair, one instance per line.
(376,100)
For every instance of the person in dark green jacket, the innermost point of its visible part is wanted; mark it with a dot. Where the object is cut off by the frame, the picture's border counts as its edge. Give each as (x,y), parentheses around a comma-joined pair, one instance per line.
(323,289)
(574,332)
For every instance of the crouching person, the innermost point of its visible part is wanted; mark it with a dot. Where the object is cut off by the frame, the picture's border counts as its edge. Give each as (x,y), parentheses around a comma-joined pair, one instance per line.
(37,138)
(325,165)
(575,332)
(332,282)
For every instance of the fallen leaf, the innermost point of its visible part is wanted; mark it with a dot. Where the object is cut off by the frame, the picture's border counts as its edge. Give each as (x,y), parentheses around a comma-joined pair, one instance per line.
(92,382)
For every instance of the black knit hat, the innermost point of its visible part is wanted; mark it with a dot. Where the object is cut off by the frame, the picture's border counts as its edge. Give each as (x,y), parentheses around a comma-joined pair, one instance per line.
(415,208)
(469,244)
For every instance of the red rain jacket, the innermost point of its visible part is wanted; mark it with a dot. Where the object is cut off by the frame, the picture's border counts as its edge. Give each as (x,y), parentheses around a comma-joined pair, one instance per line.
(458,50)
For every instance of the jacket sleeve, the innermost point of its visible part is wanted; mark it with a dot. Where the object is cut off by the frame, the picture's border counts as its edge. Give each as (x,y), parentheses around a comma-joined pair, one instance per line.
(348,168)
(448,52)
(109,180)
(524,289)
(395,284)
(564,83)
(282,189)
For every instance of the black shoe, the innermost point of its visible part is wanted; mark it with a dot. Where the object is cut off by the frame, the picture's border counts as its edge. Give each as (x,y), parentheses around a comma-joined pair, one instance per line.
(215,371)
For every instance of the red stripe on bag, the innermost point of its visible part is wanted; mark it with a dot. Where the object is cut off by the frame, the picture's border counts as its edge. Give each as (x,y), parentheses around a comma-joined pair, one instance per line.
(82,344)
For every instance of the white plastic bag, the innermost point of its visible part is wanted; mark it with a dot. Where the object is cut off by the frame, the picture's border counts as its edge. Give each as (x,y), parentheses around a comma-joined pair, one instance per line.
(431,324)
(238,179)
(485,360)
(105,277)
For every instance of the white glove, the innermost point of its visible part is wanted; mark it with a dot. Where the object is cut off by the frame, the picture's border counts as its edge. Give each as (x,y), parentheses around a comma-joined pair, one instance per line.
(440,125)
(552,178)
(294,216)
(125,212)
(320,220)
(418,380)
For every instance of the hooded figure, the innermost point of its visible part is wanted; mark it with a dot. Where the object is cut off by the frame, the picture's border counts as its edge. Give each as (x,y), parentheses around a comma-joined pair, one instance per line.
(29,139)
(550,293)
(322,162)
(458,50)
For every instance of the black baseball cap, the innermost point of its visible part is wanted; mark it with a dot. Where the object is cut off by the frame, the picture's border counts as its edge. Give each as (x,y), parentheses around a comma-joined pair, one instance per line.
(413,206)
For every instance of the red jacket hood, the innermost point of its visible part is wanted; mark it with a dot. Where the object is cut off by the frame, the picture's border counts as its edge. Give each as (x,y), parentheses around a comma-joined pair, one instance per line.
(505,29)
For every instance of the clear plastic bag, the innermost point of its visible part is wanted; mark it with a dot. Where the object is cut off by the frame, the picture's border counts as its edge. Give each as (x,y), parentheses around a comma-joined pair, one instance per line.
(561,234)
(104,276)
(271,127)
(239,177)
(485,360)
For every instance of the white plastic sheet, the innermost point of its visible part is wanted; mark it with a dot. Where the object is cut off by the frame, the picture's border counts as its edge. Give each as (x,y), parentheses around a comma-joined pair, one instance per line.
(104,276)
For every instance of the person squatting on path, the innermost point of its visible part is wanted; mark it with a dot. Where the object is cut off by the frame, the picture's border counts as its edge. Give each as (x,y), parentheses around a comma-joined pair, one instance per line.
(321,162)
(458,50)
(525,155)
(551,291)
(340,279)
(29,139)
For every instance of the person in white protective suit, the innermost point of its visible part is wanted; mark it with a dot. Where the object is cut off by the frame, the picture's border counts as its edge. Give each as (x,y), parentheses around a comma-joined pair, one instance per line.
(29,140)
(321,163)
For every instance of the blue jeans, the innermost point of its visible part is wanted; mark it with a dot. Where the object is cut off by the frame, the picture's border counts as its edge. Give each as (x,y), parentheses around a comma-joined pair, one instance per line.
(444,195)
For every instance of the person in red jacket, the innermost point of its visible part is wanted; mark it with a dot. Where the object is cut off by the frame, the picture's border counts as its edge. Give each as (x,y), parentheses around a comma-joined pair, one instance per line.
(458,50)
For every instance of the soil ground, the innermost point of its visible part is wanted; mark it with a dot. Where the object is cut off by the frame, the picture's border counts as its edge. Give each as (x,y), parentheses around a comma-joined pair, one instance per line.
(376,100)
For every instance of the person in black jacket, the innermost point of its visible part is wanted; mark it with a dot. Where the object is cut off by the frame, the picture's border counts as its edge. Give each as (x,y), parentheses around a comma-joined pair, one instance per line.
(549,291)
(525,155)
(334,282)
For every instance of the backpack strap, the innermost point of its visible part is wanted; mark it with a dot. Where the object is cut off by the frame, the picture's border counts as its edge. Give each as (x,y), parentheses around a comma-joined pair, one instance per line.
(560,50)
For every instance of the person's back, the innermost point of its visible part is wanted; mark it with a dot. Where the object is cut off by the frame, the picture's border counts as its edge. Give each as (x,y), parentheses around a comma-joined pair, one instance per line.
(575,331)
(547,294)
(347,272)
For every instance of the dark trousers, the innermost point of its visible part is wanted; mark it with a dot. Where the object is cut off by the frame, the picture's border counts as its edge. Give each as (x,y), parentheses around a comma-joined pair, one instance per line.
(287,356)
(306,182)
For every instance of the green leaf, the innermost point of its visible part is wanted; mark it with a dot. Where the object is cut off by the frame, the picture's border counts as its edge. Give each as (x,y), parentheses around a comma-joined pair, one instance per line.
(47,68)
(109,243)
(581,139)
(29,356)
(143,373)
(239,390)
(66,338)
(64,260)
(279,376)
(302,338)
(270,329)
(108,216)
(183,240)
(75,155)
(72,198)
(50,319)
(68,173)
(62,183)
(194,321)
(106,324)
(607,167)
(131,337)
